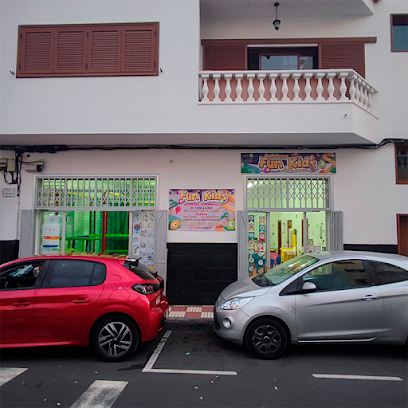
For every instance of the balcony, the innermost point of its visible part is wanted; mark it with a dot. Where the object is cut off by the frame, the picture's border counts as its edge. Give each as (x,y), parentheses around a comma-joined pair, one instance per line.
(333,107)
(286,87)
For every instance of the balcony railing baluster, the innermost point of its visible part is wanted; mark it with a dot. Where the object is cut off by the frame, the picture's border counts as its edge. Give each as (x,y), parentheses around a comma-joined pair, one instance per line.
(305,86)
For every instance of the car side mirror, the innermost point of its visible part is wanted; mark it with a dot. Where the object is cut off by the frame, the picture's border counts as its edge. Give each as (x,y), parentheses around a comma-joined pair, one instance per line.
(309,287)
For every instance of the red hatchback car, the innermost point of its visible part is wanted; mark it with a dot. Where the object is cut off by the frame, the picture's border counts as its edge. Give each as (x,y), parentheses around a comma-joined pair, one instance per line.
(110,303)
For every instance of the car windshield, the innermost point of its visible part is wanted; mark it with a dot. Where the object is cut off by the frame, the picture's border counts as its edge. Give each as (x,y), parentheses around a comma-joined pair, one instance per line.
(285,270)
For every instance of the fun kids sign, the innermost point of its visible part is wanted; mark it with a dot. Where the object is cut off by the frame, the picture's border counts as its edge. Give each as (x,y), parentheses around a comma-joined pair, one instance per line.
(317,163)
(202,210)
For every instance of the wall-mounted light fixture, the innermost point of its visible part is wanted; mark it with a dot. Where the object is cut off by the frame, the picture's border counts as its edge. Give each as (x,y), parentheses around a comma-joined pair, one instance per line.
(276,22)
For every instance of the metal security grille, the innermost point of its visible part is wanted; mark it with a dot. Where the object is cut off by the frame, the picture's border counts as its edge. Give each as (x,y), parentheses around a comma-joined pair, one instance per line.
(288,194)
(103,193)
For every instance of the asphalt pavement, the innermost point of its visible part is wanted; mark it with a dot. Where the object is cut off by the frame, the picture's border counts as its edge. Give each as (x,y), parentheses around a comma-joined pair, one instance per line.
(189,366)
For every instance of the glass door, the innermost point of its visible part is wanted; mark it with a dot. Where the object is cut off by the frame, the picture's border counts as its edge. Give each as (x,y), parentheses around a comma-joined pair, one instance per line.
(275,237)
(316,223)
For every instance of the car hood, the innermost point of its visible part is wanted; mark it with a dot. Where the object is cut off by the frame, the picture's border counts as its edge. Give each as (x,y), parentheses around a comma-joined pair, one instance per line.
(243,288)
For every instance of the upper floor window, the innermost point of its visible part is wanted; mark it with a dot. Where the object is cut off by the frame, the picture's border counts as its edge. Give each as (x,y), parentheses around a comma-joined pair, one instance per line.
(88,50)
(282,58)
(399,32)
(401,162)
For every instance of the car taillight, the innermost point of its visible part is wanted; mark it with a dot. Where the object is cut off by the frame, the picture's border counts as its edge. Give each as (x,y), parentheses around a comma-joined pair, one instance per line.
(146,288)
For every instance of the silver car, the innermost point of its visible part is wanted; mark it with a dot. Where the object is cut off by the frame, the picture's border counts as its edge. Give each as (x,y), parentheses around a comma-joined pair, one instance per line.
(327,297)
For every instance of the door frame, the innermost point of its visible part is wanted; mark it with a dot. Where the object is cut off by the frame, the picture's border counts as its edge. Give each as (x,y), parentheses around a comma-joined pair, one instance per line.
(400,235)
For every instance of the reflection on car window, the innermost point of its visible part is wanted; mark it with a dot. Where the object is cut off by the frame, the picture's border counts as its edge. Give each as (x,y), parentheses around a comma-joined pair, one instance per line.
(21,276)
(338,275)
(284,271)
(73,273)
(385,273)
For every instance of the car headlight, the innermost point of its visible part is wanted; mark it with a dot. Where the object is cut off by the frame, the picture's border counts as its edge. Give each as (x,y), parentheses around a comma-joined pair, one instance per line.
(235,303)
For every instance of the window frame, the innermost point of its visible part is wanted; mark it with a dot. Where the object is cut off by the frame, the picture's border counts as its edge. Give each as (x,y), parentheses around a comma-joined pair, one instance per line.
(392,31)
(87,70)
(397,146)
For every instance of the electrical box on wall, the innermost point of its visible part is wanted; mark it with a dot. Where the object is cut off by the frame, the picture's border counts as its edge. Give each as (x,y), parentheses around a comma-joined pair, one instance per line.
(34,167)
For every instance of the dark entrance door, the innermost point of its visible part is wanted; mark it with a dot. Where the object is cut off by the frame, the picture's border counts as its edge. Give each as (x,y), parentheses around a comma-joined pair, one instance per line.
(197,273)
(402,228)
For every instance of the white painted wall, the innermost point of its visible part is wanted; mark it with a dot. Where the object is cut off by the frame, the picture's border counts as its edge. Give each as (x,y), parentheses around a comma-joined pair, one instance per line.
(385,71)
(364,186)
(8,205)
(165,109)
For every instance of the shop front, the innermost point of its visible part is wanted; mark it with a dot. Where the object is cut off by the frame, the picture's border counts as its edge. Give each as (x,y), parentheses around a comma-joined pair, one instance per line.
(288,206)
(109,215)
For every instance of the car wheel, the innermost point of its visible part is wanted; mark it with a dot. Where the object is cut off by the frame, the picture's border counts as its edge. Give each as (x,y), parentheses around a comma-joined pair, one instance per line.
(115,338)
(266,338)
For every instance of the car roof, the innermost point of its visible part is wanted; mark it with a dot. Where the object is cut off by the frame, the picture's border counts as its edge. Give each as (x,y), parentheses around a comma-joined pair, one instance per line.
(395,259)
(72,255)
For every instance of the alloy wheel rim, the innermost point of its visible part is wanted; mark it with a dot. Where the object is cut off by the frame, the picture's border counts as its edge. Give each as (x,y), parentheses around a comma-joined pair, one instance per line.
(115,339)
(266,339)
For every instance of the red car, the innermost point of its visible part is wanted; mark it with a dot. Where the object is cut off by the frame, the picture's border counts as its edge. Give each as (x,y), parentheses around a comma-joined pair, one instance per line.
(110,303)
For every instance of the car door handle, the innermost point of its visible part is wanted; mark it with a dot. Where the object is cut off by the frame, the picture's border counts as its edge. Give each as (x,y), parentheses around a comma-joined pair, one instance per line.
(81,301)
(21,303)
(369,297)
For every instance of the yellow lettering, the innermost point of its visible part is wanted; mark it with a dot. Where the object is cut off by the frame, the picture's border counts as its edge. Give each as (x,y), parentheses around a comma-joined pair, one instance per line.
(292,163)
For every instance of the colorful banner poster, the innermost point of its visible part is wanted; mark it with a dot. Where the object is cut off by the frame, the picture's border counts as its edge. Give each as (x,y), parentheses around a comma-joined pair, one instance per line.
(143,237)
(256,244)
(202,210)
(316,163)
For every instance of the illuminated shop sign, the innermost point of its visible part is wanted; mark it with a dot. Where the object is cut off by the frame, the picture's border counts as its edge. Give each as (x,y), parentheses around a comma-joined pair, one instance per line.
(316,163)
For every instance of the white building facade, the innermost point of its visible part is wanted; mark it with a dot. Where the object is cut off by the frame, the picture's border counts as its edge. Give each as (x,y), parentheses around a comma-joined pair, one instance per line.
(195,135)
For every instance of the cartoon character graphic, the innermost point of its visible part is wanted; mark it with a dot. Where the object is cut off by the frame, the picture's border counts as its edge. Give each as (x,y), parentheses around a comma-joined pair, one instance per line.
(174,224)
(231,225)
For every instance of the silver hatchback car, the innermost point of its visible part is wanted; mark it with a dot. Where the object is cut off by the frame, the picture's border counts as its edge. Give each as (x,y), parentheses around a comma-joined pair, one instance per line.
(327,297)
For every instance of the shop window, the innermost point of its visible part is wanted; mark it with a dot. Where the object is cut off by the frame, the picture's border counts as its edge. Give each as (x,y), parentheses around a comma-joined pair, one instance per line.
(88,50)
(401,163)
(399,32)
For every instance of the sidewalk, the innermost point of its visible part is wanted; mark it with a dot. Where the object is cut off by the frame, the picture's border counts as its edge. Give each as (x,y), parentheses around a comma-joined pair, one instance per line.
(191,312)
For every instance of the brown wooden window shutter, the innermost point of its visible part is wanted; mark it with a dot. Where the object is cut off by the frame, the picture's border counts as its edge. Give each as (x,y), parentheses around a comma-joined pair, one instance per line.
(225,57)
(343,56)
(88,50)
(70,52)
(140,50)
(35,51)
(104,50)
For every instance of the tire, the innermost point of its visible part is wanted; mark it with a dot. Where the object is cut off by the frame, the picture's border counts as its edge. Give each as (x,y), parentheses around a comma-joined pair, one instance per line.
(115,338)
(266,339)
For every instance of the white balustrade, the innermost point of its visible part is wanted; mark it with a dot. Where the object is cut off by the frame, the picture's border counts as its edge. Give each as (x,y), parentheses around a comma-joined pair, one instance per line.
(300,86)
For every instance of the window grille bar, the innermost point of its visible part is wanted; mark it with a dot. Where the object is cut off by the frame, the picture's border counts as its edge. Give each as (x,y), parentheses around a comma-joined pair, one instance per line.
(288,194)
(95,193)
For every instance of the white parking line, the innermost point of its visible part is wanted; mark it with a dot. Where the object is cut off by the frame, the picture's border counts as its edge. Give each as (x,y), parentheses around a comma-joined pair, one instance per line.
(8,373)
(149,366)
(357,377)
(101,394)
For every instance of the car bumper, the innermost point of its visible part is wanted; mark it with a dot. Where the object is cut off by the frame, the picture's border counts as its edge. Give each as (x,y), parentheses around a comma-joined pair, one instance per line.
(158,318)
(229,324)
